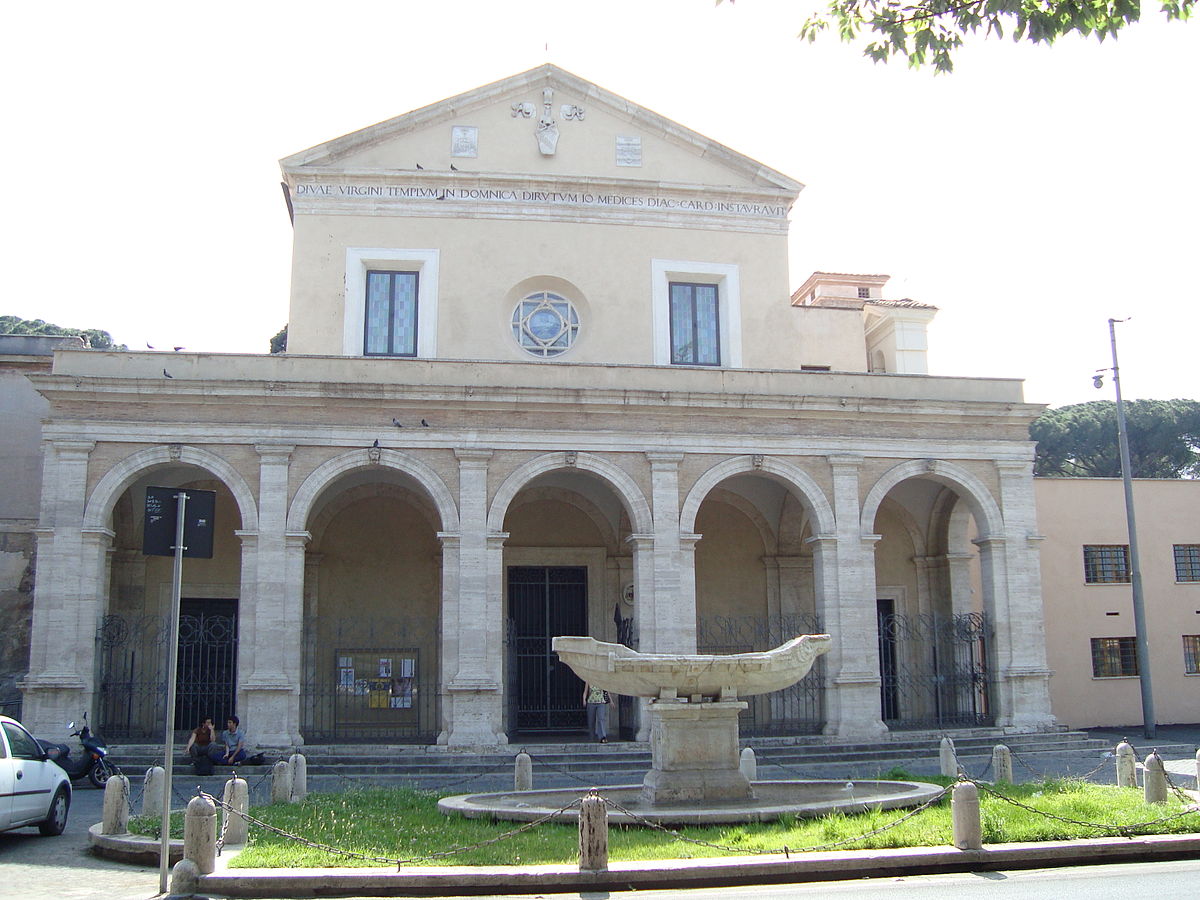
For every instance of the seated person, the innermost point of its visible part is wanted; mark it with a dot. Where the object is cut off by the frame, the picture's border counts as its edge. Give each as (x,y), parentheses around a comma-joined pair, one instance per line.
(233,739)
(200,741)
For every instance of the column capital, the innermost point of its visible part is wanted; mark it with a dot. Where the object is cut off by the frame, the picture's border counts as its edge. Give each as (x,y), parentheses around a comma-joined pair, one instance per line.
(1013,466)
(986,542)
(97,534)
(73,448)
(450,538)
(821,539)
(274,452)
(845,461)
(248,538)
(664,461)
(641,541)
(496,539)
(688,541)
(297,539)
(477,455)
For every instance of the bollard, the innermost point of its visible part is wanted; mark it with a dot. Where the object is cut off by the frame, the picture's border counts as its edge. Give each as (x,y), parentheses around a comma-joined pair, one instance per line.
(1002,763)
(200,834)
(185,879)
(299,766)
(115,817)
(1126,765)
(593,834)
(964,812)
(1155,779)
(152,791)
(237,804)
(523,772)
(281,782)
(748,765)
(948,758)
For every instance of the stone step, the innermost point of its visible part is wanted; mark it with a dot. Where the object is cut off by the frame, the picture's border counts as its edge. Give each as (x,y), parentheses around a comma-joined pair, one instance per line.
(591,759)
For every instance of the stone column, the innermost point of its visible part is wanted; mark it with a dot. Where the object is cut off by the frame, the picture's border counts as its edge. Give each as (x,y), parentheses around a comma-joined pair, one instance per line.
(645,621)
(1023,677)
(68,595)
(451,540)
(476,700)
(270,663)
(849,612)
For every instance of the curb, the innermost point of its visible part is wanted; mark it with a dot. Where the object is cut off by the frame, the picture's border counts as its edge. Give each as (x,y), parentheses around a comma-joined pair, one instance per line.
(131,848)
(683,874)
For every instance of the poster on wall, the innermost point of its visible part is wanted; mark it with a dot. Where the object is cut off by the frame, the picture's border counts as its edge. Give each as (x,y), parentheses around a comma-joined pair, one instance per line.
(385,667)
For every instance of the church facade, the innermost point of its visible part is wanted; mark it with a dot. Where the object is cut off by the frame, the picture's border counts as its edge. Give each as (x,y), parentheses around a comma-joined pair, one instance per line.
(545,375)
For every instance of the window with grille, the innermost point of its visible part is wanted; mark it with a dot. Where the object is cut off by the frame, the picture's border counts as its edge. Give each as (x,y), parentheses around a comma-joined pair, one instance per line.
(1191,654)
(391,316)
(864,293)
(1114,657)
(1106,564)
(1187,562)
(695,325)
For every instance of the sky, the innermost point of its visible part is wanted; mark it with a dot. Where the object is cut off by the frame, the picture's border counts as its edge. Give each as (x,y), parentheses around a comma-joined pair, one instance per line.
(1031,195)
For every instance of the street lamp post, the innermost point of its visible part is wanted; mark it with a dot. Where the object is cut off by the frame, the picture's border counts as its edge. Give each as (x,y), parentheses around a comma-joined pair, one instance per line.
(1135,569)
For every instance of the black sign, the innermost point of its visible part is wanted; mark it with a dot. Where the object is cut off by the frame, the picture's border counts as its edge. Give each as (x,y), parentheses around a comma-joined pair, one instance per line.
(158,537)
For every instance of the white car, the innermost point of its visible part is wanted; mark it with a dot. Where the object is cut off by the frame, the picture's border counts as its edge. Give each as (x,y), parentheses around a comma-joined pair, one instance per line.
(33,789)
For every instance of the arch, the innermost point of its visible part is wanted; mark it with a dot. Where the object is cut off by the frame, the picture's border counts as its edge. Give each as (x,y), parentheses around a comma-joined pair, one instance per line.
(766,533)
(329,511)
(789,473)
(974,491)
(118,479)
(910,525)
(617,478)
(579,502)
(330,470)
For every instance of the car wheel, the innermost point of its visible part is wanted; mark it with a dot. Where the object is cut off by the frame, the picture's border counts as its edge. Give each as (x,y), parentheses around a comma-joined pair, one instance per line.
(56,820)
(99,774)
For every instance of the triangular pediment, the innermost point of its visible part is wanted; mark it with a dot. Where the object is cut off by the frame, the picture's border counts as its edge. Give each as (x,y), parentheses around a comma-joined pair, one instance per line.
(546,123)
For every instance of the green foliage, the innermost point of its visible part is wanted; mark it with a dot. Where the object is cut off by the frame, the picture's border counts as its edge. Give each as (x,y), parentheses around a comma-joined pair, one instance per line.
(93,337)
(929,31)
(404,824)
(279,342)
(1080,441)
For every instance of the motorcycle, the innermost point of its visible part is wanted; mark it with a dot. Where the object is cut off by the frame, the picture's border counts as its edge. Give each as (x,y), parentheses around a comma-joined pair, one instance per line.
(92,765)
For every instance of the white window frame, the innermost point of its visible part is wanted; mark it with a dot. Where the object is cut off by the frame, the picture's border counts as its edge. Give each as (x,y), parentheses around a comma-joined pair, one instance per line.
(726,277)
(361,259)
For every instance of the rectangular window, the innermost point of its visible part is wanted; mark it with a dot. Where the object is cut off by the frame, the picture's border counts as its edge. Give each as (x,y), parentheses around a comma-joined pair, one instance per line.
(1191,654)
(1187,562)
(695,325)
(864,293)
(1106,563)
(391,319)
(1114,657)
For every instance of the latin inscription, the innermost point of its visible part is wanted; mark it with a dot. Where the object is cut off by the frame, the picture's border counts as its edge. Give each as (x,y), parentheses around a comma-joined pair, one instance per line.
(542,198)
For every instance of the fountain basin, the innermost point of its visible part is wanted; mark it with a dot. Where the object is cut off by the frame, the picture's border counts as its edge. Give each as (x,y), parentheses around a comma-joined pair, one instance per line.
(772,800)
(620,670)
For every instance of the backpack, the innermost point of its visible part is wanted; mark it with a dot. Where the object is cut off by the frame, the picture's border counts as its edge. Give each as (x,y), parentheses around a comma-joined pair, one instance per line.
(203,765)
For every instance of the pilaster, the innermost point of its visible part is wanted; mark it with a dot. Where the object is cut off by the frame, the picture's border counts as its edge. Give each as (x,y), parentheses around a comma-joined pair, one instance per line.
(270,684)
(850,613)
(68,596)
(674,598)
(473,704)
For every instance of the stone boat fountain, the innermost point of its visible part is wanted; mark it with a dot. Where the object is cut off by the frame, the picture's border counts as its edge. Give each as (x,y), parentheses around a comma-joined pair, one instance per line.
(695,776)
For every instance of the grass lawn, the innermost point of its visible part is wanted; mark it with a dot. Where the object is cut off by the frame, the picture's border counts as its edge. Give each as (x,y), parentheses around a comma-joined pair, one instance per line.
(405,824)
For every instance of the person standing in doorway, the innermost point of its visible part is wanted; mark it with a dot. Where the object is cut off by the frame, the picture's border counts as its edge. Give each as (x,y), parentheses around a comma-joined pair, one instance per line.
(596,701)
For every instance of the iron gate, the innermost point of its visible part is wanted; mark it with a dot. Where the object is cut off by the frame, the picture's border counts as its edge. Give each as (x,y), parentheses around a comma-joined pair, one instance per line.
(543,603)
(799,709)
(132,653)
(933,670)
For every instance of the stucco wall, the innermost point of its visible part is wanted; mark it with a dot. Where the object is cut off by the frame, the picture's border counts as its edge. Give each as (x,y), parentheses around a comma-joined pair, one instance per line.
(1073,512)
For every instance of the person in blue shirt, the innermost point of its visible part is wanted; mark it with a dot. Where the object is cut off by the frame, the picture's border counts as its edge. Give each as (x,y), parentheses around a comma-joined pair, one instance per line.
(234,740)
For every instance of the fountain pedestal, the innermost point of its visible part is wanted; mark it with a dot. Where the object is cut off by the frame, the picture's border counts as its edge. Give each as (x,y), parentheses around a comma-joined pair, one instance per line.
(695,753)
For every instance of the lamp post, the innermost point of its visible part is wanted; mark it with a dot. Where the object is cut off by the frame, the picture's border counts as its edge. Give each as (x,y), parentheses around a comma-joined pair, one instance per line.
(1135,570)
